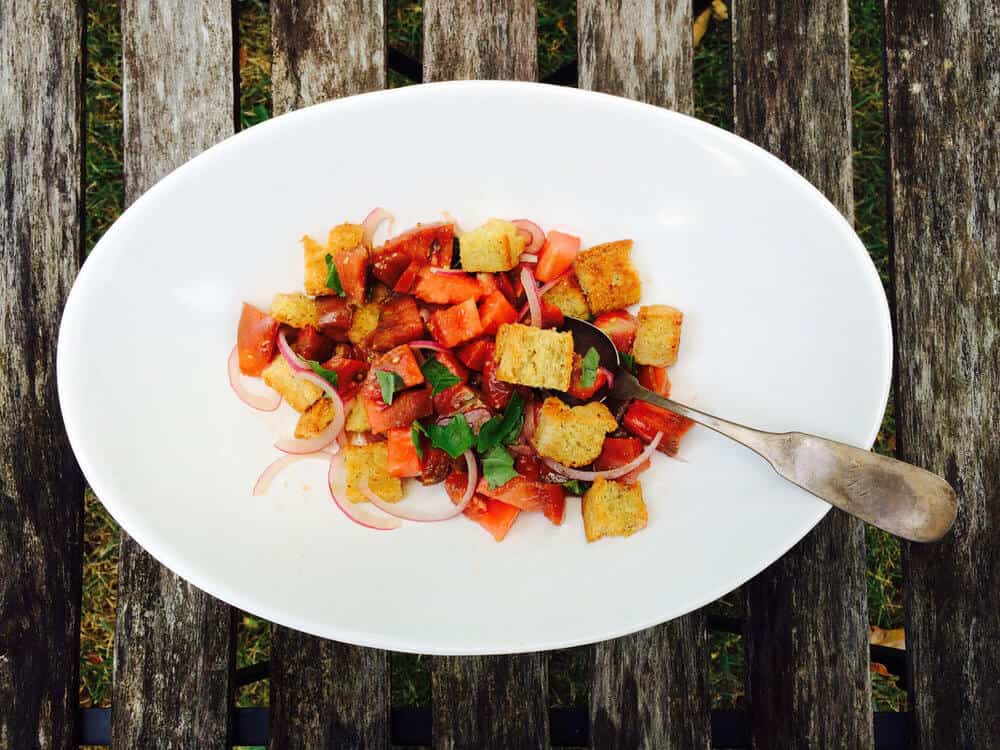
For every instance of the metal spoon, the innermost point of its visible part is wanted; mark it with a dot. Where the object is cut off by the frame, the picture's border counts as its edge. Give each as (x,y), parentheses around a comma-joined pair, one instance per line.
(902,499)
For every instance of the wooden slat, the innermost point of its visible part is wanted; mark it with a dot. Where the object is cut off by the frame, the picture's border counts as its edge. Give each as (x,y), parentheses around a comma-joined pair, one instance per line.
(174,643)
(41,490)
(485,701)
(943,86)
(650,689)
(466,39)
(807,655)
(323,693)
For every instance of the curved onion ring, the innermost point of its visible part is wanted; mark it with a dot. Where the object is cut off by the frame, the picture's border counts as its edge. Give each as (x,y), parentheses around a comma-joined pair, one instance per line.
(535,234)
(531,293)
(528,258)
(543,289)
(590,476)
(609,375)
(260,401)
(427,344)
(301,371)
(372,222)
(276,467)
(424,517)
(360,516)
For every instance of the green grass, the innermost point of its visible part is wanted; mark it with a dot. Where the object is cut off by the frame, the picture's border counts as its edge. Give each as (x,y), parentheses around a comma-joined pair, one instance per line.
(569,676)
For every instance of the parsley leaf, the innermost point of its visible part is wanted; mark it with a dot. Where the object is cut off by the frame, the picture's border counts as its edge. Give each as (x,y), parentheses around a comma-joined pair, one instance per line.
(439,376)
(333,277)
(502,429)
(498,467)
(588,368)
(389,383)
(330,376)
(415,429)
(628,362)
(454,438)
(575,487)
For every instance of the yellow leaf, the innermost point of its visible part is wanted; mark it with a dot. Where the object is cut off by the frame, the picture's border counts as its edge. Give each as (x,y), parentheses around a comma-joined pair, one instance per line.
(701,25)
(894,638)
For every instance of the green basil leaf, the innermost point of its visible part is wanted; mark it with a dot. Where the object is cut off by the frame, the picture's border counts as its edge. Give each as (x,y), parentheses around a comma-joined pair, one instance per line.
(628,362)
(415,429)
(454,438)
(498,430)
(498,467)
(575,487)
(389,383)
(328,375)
(333,277)
(588,368)
(439,376)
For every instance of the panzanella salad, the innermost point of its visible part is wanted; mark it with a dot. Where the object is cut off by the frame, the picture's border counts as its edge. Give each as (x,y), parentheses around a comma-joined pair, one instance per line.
(437,357)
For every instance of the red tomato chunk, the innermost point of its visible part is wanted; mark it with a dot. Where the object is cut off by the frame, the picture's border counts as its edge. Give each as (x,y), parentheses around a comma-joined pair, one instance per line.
(457,324)
(403,459)
(399,323)
(645,420)
(256,340)
(620,326)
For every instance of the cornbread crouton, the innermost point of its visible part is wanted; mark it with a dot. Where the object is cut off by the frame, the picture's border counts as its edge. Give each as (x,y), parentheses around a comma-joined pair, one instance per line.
(569,297)
(538,357)
(658,336)
(364,323)
(294,309)
(613,509)
(315,419)
(573,437)
(371,462)
(341,239)
(357,417)
(607,276)
(300,394)
(495,246)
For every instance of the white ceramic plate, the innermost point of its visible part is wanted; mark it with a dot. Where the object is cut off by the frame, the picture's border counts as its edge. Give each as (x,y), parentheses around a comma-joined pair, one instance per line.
(786,327)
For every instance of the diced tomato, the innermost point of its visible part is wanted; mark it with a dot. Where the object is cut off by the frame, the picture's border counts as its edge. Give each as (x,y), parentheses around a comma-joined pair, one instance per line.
(555,508)
(388,264)
(644,420)
(523,493)
(446,288)
(350,374)
(528,466)
(451,362)
(504,285)
(311,344)
(405,282)
(352,267)
(579,391)
(618,452)
(435,465)
(398,323)
(488,281)
(552,316)
(494,311)
(496,393)
(620,326)
(333,317)
(406,406)
(556,255)
(474,354)
(493,515)
(403,458)
(655,379)
(256,339)
(433,243)
(455,399)
(456,324)
(400,361)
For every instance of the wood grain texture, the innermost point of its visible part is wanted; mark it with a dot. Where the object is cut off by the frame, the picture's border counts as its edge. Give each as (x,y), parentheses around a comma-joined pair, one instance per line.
(485,701)
(324,693)
(324,49)
(174,643)
(637,48)
(943,96)
(650,689)
(465,39)
(807,619)
(41,489)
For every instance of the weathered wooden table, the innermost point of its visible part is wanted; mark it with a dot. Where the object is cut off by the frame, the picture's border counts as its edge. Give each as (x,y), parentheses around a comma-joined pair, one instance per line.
(806,624)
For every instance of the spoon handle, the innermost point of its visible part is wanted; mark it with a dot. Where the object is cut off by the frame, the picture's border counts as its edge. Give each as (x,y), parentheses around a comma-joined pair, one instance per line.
(900,498)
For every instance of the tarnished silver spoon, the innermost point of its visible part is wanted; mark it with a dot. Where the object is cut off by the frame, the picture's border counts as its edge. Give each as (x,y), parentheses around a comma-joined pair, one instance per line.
(902,499)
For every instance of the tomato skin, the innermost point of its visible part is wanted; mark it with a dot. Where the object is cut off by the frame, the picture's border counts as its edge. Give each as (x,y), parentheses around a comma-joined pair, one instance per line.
(555,508)
(493,515)
(523,493)
(401,361)
(576,389)
(352,267)
(403,459)
(474,354)
(620,326)
(644,420)
(528,466)
(311,344)
(494,311)
(552,316)
(456,324)
(334,315)
(399,323)
(389,263)
(451,362)
(655,379)
(350,374)
(435,465)
(496,393)
(428,243)
(405,282)
(256,339)
(557,255)
(407,406)
(618,452)
(455,399)
(446,288)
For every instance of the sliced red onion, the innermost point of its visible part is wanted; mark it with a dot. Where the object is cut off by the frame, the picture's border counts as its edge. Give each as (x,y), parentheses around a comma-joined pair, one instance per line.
(424,517)
(609,375)
(477,417)
(294,360)
(360,516)
(545,287)
(529,258)
(372,222)
(449,271)
(336,426)
(427,344)
(590,476)
(261,401)
(535,235)
(531,293)
(276,467)
(530,421)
